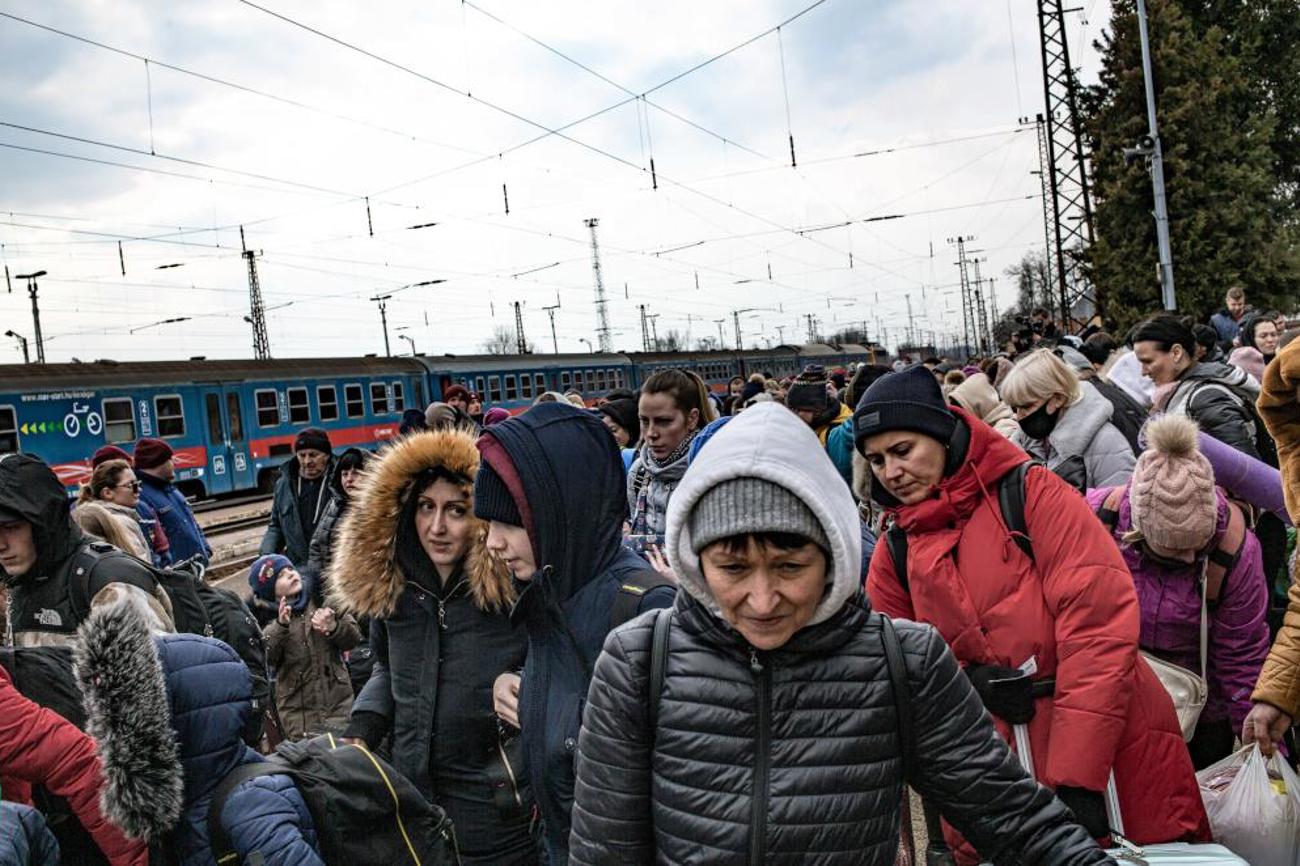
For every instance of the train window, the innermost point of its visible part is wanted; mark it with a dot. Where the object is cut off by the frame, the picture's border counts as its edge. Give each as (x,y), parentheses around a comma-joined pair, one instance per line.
(590,376)
(511,393)
(539,383)
(212,402)
(564,380)
(525,386)
(8,430)
(478,387)
(600,380)
(268,408)
(170,416)
(299,409)
(378,398)
(119,420)
(235,416)
(399,397)
(327,402)
(352,397)
(494,389)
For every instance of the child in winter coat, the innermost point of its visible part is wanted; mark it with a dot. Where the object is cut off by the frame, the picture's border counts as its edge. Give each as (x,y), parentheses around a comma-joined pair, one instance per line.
(304,648)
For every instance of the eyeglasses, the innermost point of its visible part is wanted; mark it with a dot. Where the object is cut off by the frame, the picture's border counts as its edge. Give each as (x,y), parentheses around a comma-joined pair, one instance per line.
(133,485)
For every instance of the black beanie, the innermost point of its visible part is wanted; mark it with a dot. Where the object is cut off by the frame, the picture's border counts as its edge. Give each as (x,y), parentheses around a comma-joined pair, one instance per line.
(907,400)
(808,390)
(749,392)
(624,413)
(314,438)
(492,499)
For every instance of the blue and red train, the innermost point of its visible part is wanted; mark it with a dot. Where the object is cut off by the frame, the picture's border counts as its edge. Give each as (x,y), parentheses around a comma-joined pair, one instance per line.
(232,423)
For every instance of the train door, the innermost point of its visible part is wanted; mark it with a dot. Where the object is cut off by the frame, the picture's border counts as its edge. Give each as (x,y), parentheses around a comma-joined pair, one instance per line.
(229,465)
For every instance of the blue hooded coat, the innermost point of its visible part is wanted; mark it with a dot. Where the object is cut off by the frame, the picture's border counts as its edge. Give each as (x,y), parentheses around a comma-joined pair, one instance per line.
(168,711)
(573,484)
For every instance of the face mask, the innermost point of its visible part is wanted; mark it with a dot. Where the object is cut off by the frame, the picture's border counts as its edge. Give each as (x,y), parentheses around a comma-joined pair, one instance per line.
(1039,423)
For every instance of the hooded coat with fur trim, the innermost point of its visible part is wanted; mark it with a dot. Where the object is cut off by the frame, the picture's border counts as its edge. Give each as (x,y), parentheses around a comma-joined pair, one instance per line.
(791,755)
(168,711)
(1071,610)
(438,646)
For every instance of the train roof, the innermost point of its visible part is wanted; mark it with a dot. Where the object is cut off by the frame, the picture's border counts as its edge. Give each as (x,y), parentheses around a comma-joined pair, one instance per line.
(107,373)
(531,361)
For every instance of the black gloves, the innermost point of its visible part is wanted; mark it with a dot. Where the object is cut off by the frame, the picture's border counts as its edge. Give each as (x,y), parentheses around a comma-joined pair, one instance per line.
(1006,692)
(1089,808)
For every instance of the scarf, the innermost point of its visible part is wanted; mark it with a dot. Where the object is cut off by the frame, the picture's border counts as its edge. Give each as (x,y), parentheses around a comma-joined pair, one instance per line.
(652,482)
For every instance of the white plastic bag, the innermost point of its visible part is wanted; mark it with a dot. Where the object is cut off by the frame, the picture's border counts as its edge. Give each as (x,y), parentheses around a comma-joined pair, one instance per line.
(1256,816)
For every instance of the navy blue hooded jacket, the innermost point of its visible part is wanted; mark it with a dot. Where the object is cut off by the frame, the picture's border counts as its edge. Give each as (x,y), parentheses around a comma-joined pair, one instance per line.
(168,711)
(573,484)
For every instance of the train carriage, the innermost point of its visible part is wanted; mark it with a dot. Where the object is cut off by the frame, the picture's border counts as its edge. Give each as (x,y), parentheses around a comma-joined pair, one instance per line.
(230,423)
(233,423)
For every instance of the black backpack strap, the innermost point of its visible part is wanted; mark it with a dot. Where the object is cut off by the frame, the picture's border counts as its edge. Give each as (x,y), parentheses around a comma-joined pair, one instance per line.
(937,852)
(1108,511)
(902,694)
(658,664)
(1011,499)
(896,541)
(223,850)
(627,602)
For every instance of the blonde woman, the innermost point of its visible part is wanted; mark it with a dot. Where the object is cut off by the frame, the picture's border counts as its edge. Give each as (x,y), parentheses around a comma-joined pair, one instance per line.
(1066,423)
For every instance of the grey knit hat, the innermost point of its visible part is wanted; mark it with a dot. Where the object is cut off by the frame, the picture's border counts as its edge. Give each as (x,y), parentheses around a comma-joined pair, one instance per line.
(741,506)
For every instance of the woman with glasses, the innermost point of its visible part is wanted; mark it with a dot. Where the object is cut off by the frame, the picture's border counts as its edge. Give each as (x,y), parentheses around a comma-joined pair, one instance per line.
(114,487)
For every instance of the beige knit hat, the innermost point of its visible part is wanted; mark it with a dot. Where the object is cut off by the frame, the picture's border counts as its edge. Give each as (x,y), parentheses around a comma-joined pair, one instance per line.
(1171,494)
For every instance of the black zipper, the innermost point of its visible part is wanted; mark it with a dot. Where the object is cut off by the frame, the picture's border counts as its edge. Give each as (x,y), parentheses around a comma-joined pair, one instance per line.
(442,602)
(762,760)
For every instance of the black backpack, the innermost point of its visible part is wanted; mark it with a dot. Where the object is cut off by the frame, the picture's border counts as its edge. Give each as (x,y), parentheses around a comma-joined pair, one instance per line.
(198,607)
(1127,416)
(627,602)
(1011,502)
(364,811)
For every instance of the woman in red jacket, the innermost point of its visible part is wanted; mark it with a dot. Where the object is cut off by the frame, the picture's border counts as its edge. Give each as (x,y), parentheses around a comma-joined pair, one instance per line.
(1050,638)
(38,747)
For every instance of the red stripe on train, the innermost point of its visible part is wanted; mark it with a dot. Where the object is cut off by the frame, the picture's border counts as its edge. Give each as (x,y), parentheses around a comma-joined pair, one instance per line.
(260,448)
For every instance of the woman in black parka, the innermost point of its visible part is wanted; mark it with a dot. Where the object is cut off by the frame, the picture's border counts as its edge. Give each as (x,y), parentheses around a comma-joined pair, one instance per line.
(778,733)
(410,554)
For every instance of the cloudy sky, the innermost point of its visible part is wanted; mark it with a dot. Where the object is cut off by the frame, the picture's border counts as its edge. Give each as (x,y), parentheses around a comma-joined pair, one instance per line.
(186,120)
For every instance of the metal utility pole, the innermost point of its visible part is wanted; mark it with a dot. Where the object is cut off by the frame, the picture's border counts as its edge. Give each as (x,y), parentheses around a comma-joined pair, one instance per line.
(521,344)
(256,311)
(1049,220)
(22,341)
(410,340)
(653,319)
(911,322)
(32,290)
(1067,172)
(382,300)
(964,278)
(550,311)
(645,329)
(780,334)
(982,331)
(1151,147)
(602,311)
(812,327)
(721,343)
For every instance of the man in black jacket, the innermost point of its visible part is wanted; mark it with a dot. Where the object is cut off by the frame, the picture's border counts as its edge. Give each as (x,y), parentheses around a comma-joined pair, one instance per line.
(42,551)
(301,495)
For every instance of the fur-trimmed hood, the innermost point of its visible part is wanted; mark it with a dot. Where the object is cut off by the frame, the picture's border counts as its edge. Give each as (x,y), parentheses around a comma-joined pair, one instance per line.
(364,576)
(128,714)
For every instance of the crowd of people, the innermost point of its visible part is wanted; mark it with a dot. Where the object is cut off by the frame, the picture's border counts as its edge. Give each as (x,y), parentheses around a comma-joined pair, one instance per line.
(679,625)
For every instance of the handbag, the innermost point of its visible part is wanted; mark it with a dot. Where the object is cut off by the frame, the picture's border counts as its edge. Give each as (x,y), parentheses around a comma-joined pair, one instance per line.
(1187,689)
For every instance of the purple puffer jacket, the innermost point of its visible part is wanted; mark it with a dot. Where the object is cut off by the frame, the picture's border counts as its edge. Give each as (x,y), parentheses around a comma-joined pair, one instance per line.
(1171,615)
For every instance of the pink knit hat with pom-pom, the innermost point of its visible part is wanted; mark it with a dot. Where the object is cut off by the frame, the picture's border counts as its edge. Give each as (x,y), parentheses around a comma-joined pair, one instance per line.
(1171,494)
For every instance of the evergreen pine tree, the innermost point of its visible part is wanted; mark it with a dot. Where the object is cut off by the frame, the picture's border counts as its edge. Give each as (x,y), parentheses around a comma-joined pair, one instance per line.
(1225,226)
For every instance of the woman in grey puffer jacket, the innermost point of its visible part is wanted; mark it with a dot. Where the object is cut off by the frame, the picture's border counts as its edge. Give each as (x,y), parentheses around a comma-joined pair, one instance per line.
(778,735)
(1063,419)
